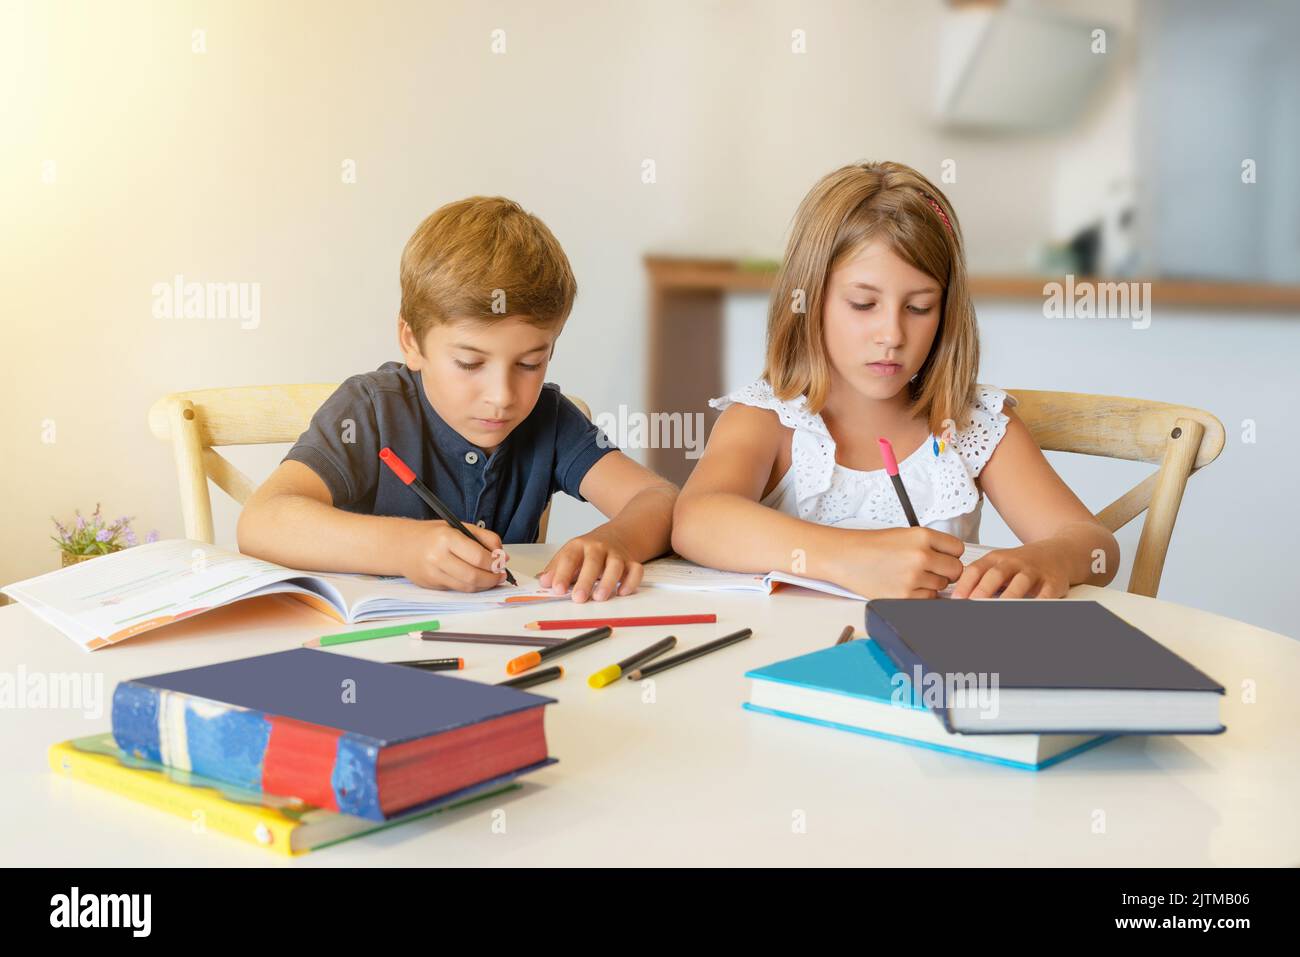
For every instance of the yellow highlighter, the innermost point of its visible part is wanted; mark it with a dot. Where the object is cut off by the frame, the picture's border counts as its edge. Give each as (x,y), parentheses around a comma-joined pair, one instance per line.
(611,674)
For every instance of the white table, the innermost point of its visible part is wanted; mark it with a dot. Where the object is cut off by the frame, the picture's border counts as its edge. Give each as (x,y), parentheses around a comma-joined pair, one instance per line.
(691,778)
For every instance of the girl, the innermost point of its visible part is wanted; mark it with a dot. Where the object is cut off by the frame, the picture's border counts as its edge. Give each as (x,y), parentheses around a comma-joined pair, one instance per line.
(871,333)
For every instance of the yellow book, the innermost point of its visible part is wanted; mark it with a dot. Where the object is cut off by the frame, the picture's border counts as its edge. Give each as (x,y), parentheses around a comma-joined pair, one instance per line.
(284,825)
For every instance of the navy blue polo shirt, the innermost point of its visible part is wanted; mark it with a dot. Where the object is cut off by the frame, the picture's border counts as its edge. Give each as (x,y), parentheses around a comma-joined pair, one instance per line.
(507,491)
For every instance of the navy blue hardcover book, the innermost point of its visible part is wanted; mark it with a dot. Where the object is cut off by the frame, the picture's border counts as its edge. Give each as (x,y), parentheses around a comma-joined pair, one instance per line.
(1001,666)
(361,737)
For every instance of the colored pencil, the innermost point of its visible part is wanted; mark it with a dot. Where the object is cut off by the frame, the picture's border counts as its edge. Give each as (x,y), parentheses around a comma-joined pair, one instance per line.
(346,637)
(474,638)
(690,655)
(845,635)
(409,478)
(556,624)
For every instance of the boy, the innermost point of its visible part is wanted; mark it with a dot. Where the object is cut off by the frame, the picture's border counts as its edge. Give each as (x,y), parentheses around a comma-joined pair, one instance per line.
(486,290)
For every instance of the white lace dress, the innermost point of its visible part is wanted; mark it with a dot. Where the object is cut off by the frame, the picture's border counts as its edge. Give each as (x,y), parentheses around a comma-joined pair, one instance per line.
(942,487)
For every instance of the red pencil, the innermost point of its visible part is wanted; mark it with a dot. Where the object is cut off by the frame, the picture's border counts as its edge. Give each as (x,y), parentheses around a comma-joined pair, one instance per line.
(559,623)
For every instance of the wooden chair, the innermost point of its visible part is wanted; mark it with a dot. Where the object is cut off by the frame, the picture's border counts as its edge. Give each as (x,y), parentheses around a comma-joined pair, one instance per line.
(1179,439)
(199,422)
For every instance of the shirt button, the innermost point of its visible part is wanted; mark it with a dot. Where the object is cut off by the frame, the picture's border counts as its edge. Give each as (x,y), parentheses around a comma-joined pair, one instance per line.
(471,457)
(481,524)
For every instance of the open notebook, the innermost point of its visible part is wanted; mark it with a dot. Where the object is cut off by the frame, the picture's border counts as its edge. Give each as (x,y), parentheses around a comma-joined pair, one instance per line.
(100,602)
(678,573)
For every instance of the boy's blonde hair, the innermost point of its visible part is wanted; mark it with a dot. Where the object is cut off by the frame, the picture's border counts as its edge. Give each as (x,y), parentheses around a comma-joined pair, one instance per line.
(484,258)
(843,212)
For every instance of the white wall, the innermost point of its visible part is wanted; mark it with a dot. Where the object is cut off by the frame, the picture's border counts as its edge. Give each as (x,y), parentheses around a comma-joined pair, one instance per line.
(225,166)
(1219,89)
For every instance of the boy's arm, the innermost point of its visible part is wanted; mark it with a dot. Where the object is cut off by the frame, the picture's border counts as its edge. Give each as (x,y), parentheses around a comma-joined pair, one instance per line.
(291,520)
(639,505)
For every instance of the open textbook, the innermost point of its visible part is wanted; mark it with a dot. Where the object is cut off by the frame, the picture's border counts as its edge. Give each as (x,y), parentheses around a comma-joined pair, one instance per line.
(678,573)
(111,598)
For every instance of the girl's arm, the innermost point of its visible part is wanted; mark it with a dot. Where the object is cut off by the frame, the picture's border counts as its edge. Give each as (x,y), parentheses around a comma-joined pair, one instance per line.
(719,522)
(639,506)
(1064,544)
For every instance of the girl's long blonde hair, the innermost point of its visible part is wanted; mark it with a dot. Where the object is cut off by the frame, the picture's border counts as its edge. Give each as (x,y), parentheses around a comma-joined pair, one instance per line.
(843,212)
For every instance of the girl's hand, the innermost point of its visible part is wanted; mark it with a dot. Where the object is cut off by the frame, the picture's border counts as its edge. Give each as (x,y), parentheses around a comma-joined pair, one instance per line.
(897,562)
(583,560)
(1037,570)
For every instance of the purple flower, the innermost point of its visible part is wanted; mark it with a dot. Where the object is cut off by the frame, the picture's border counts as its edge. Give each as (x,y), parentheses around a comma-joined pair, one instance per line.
(130,537)
(81,522)
(103,535)
(151,537)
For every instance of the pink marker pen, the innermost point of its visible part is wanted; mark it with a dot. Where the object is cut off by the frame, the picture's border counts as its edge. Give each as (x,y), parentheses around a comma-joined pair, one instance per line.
(891,466)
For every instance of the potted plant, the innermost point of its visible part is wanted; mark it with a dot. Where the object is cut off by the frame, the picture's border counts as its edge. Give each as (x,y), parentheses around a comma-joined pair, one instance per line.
(91,537)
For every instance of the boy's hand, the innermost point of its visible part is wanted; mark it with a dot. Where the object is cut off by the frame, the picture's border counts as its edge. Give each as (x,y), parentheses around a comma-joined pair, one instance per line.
(1036,570)
(582,560)
(435,555)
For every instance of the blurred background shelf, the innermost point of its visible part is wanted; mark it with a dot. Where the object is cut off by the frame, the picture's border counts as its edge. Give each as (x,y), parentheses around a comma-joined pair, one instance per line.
(686,273)
(686,335)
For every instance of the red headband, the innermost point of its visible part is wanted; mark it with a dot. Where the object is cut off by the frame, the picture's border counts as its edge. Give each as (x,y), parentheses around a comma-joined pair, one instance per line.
(938,209)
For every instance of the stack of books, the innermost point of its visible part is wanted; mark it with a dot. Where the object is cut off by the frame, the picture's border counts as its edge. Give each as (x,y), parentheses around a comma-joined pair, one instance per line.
(1021,683)
(284,825)
(303,748)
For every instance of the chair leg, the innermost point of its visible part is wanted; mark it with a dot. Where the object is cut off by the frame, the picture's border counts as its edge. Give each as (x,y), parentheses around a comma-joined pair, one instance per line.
(196,504)
(542,524)
(1171,480)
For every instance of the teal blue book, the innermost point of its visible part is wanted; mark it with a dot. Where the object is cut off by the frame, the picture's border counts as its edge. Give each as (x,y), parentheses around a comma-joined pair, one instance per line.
(856,687)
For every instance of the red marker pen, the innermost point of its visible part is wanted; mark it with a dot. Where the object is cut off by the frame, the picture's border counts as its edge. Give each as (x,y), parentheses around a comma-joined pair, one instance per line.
(403,472)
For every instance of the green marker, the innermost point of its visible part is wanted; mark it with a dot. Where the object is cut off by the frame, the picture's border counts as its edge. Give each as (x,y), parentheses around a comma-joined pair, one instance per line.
(351,636)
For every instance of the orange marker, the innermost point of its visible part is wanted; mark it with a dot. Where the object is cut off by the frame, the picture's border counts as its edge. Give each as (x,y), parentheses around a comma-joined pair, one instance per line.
(532,659)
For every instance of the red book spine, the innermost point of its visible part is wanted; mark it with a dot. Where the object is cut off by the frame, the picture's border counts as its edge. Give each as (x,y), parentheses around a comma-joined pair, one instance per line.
(299,761)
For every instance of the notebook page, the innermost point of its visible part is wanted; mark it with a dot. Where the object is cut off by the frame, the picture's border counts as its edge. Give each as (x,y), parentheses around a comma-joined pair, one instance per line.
(137,589)
(678,573)
(377,596)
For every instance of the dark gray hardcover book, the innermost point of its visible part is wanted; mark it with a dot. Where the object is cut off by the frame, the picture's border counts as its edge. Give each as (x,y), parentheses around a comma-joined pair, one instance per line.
(1056,667)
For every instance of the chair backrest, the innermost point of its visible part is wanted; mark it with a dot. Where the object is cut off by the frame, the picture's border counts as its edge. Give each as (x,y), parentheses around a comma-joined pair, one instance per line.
(201,421)
(1177,438)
